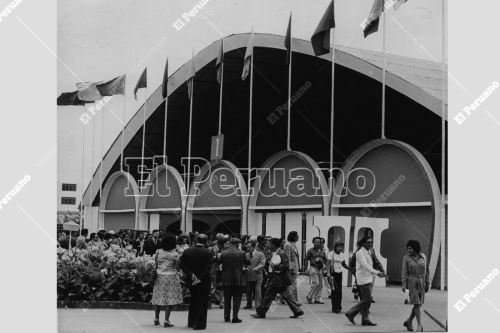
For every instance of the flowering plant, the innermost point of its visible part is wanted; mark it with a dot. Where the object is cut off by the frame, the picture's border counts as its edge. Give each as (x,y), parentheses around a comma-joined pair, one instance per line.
(98,274)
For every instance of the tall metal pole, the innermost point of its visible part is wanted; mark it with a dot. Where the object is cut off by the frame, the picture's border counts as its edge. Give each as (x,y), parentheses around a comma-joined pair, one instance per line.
(250,126)
(123,130)
(142,168)
(100,169)
(221,89)
(83,171)
(332,115)
(383,73)
(289,88)
(443,153)
(165,132)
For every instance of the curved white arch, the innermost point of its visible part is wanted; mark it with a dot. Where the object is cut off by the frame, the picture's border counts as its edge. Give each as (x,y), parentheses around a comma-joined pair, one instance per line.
(107,187)
(238,41)
(271,161)
(430,178)
(152,177)
(207,167)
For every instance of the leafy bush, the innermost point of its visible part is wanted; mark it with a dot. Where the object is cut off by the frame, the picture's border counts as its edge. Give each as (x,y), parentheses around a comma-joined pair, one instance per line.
(95,274)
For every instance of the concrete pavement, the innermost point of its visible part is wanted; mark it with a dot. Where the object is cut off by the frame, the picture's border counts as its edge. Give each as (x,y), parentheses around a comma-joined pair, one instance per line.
(388,312)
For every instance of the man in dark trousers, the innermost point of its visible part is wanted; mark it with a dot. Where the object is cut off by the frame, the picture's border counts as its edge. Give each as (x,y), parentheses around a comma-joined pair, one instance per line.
(195,263)
(279,281)
(233,261)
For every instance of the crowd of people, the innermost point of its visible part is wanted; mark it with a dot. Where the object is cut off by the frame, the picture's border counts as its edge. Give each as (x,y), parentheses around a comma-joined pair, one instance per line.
(220,268)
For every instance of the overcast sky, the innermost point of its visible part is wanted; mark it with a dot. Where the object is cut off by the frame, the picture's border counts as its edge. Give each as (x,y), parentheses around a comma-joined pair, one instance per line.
(101,39)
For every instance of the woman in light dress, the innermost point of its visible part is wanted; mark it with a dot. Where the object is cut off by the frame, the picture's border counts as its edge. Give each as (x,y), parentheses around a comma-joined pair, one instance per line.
(167,290)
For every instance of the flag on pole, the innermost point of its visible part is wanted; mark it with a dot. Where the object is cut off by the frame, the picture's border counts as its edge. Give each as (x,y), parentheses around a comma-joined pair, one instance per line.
(112,87)
(142,83)
(70,98)
(371,23)
(248,57)
(288,40)
(87,91)
(220,59)
(164,89)
(191,73)
(320,39)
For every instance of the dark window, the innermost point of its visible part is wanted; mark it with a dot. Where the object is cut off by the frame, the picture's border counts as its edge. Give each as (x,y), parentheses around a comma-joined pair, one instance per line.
(68,200)
(69,187)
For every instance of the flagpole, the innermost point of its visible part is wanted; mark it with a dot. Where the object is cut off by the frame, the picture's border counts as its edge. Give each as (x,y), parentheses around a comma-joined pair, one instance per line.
(289,87)
(250,125)
(443,153)
(100,167)
(221,86)
(165,132)
(142,168)
(92,165)
(83,171)
(123,129)
(332,113)
(383,74)
(189,140)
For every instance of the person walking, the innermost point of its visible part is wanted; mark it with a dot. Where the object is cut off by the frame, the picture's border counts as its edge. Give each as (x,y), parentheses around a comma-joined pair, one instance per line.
(335,262)
(415,279)
(195,263)
(167,289)
(364,277)
(294,264)
(316,258)
(254,275)
(233,261)
(279,280)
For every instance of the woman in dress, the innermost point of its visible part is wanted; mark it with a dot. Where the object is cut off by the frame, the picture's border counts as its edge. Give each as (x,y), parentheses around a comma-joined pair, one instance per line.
(415,278)
(167,288)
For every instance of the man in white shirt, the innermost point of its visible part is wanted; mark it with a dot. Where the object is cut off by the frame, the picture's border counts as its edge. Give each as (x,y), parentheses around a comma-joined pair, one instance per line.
(364,275)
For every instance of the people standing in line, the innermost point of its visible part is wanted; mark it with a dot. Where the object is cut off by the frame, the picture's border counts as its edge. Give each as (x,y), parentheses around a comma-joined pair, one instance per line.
(294,263)
(257,261)
(316,258)
(167,289)
(279,280)
(233,281)
(335,262)
(415,279)
(195,263)
(364,276)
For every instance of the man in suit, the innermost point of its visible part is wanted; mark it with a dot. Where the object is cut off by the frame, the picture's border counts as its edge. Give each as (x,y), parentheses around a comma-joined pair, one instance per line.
(233,261)
(293,261)
(254,275)
(279,282)
(196,262)
(152,244)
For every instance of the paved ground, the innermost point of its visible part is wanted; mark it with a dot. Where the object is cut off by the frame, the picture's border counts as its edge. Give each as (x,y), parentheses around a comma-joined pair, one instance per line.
(388,312)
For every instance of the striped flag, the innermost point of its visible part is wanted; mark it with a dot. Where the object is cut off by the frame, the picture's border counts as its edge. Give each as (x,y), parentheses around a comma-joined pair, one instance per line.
(191,73)
(112,87)
(142,82)
(87,91)
(371,23)
(288,40)
(320,39)
(220,59)
(248,57)
(164,89)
